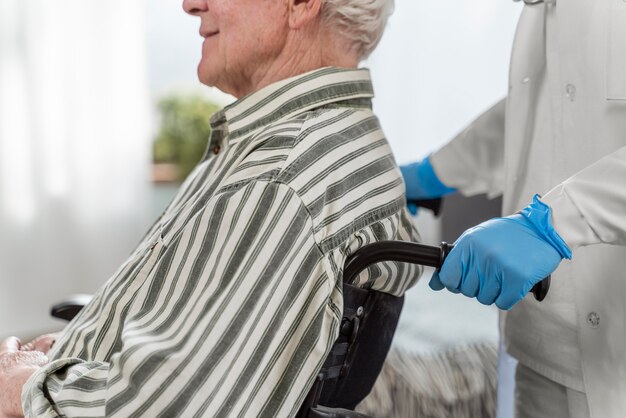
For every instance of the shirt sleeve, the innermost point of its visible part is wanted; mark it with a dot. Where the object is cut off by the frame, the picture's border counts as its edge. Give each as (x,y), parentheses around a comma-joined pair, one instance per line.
(589,208)
(235,319)
(473,162)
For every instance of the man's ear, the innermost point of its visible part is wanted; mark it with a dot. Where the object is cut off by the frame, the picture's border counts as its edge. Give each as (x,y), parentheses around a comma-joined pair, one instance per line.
(302,12)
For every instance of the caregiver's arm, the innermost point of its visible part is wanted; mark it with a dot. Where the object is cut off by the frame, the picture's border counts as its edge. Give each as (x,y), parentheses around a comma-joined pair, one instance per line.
(590,207)
(473,162)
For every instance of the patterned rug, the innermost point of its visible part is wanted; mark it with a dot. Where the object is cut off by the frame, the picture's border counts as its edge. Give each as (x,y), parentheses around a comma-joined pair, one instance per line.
(459,383)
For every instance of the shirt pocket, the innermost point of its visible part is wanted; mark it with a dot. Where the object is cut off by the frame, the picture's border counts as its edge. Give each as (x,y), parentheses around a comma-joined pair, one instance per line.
(616,52)
(144,261)
(138,279)
(152,256)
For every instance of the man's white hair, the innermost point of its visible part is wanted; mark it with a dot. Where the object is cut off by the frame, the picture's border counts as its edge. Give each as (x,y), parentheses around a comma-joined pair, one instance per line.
(360,21)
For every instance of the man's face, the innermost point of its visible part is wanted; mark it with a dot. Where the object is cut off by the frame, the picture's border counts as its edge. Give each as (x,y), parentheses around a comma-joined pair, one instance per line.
(241,39)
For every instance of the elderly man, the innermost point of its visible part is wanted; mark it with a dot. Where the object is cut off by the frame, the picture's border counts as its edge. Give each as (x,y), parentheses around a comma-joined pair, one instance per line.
(232,301)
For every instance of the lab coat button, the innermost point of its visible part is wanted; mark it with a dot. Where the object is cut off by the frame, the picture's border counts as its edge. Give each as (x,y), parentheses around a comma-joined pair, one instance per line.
(570,91)
(527,79)
(593,320)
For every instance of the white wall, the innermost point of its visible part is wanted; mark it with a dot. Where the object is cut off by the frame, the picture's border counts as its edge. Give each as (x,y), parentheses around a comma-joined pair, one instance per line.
(439,64)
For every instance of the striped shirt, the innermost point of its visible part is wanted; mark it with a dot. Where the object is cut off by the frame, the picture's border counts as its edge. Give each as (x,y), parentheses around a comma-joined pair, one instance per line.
(231,302)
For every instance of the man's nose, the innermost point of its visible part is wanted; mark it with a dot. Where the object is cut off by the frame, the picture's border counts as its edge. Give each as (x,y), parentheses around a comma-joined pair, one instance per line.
(195,7)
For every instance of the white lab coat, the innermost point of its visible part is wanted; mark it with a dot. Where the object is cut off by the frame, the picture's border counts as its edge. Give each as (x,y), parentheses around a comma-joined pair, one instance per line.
(561,132)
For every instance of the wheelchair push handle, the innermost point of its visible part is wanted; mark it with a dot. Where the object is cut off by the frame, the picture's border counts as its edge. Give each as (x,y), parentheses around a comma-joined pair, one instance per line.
(411,252)
(539,290)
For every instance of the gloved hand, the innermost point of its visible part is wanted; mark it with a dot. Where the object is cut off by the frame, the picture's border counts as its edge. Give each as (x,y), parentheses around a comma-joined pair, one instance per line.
(502,259)
(422,183)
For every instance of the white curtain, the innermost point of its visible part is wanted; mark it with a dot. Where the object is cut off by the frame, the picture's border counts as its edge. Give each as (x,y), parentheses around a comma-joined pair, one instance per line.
(74,150)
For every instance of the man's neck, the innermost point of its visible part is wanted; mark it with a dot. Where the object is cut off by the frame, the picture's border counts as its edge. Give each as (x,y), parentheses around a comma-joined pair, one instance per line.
(298,57)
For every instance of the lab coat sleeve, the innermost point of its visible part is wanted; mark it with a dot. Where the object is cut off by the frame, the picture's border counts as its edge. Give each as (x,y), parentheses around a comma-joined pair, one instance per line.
(590,207)
(473,162)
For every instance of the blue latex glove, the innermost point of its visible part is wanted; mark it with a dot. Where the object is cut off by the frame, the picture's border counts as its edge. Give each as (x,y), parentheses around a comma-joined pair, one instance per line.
(422,183)
(502,259)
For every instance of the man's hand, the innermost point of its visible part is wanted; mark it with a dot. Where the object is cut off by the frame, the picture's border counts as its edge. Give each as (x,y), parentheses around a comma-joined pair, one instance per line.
(16,366)
(43,343)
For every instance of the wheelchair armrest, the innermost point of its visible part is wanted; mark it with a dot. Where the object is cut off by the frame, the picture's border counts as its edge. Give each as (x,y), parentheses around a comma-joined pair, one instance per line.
(70,307)
(324,412)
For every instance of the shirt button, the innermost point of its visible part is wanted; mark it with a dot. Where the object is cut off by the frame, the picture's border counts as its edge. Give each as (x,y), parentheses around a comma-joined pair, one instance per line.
(216,149)
(593,320)
(570,91)
(527,79)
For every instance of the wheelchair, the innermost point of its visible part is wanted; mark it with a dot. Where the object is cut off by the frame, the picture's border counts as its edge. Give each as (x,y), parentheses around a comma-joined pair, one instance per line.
(367,327)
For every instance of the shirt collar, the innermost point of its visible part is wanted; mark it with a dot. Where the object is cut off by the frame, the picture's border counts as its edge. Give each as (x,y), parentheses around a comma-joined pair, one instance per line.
(291,97)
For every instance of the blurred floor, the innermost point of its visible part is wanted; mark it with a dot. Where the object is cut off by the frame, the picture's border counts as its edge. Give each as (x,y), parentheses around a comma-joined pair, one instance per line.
(459,383)
(434,321)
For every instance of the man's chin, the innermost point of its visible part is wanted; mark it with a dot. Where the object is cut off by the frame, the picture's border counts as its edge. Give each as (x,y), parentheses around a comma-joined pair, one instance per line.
(206,77)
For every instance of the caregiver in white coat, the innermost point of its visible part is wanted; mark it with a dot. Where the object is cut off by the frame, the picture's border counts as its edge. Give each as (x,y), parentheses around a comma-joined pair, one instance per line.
(560,133)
